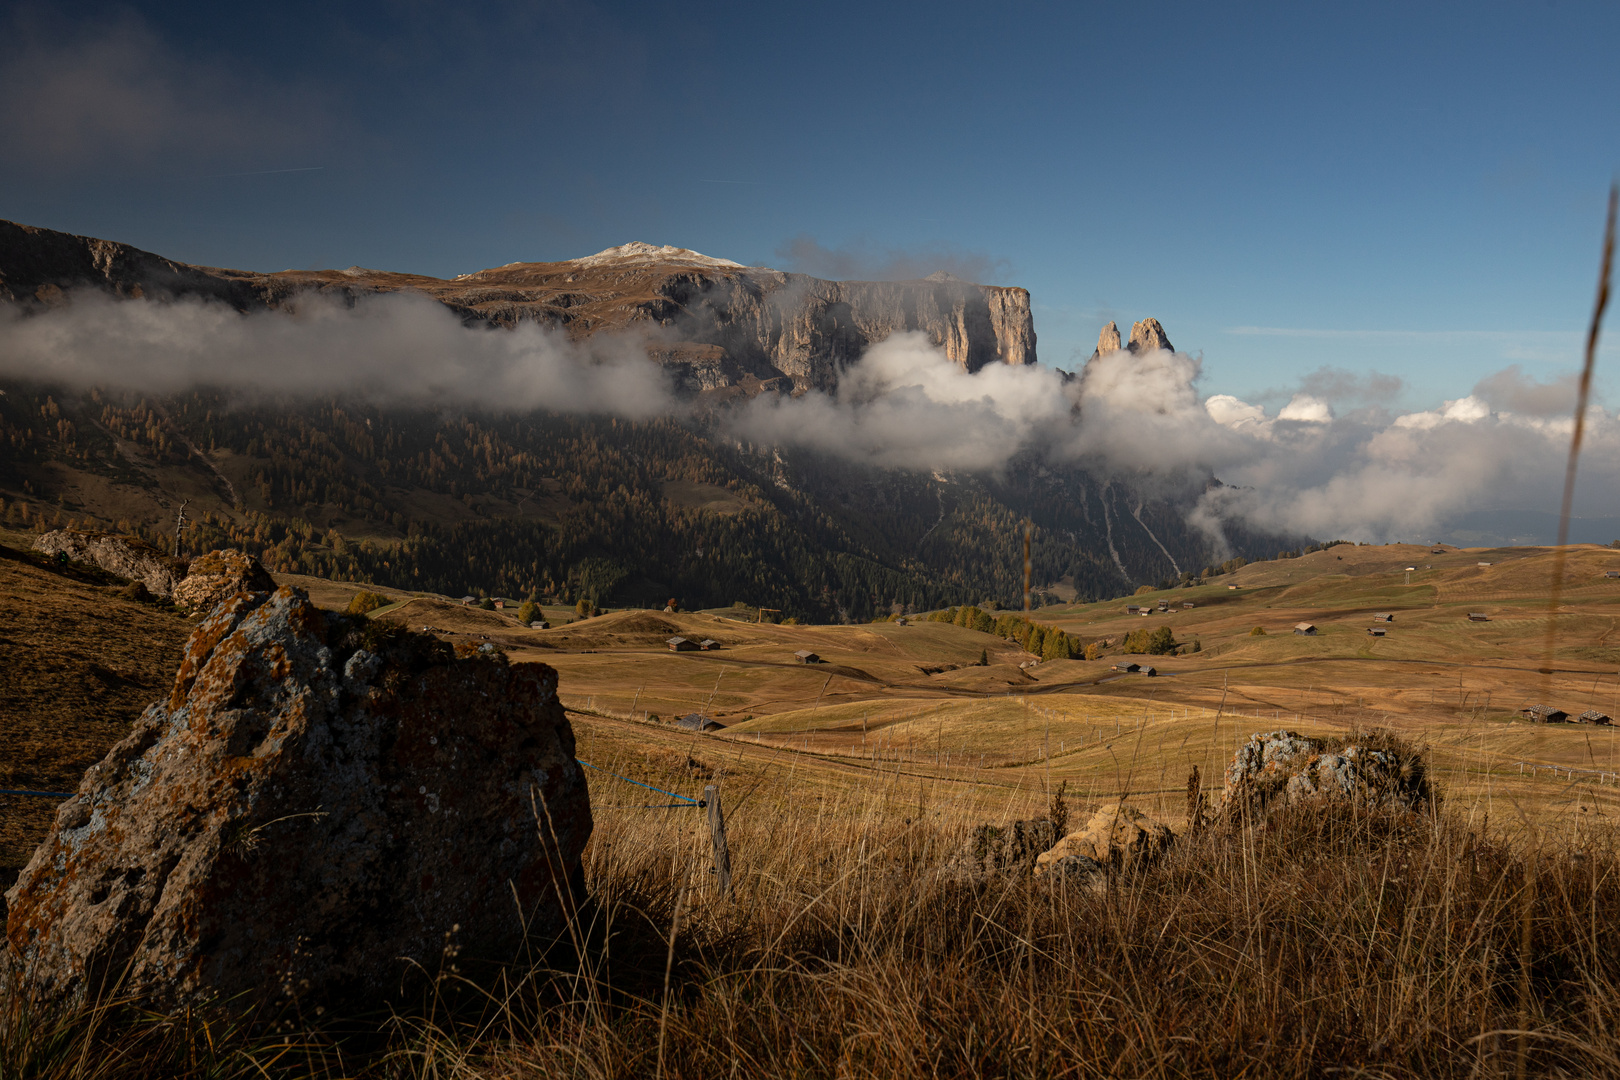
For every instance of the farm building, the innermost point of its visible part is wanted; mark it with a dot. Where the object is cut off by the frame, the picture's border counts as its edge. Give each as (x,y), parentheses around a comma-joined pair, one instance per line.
(1164,605)
(698,722)
(1234,587)
(1376,631)
(708,644)
(1127,667)
(541,624)
(1150,671)
(1484,564)
(1592,716)
(680,644)
(1133,609)
(467,600)
(1611,573)
(1308,629)
(1383,616)
(1186,605)
(805,656)
(903,621)
(500,604)
(1478,616)
(1544,714)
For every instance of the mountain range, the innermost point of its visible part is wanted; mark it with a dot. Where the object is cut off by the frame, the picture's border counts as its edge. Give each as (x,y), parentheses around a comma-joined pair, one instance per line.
(595,507)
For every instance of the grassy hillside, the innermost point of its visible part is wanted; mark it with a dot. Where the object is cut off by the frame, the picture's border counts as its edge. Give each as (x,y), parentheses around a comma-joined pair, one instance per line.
(1460,943)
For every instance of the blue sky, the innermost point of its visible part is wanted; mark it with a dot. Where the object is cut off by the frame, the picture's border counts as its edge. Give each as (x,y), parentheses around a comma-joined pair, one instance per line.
(1410,189)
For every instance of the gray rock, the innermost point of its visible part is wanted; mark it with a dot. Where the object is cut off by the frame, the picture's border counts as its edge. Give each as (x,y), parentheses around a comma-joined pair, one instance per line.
(1282,768)
(120,555)
(319,808)
(220,575)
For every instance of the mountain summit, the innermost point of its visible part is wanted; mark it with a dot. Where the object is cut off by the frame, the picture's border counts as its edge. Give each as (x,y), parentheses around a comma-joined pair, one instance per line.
(717,324)
(1146,336)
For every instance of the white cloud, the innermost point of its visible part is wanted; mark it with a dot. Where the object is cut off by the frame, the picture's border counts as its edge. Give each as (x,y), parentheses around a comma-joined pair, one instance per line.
(1365,475)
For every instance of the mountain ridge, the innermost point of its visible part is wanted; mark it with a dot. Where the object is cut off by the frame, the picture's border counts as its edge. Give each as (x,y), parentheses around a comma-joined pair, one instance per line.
(767,324)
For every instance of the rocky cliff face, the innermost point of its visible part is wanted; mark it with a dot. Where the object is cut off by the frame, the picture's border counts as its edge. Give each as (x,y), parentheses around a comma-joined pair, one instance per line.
(766,324)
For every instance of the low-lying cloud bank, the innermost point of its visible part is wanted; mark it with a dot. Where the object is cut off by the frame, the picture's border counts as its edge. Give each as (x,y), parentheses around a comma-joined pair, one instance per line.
(1333,462)
(396,349)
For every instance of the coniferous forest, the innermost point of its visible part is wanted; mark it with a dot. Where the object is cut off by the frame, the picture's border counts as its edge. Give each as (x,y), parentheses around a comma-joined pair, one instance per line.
(586,507)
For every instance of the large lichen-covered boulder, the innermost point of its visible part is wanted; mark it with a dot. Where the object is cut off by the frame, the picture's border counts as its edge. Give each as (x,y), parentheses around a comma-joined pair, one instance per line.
(1117,836)
(120,555)
(320,807)
(1282,768)
(220,575)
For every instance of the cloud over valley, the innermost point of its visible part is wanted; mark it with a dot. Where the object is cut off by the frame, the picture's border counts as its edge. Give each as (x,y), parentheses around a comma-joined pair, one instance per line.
(1333,461)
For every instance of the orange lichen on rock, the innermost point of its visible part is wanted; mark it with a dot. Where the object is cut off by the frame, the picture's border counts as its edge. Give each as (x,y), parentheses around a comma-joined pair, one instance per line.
(319,807)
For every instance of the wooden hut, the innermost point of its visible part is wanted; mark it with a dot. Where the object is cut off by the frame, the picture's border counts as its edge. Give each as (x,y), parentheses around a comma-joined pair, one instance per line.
(1376,631)
(1592,716)
(1478,616)
(1383,616)
(1544,714)
(698,722)
(805,656)
(1305,628)
(680,644)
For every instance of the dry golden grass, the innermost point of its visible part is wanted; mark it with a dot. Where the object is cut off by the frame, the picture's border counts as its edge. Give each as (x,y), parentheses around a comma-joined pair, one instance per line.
(1352,941)
(78,663)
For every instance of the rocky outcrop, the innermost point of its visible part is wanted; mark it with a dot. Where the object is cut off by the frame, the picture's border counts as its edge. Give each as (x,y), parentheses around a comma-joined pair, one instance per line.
(1118,836)
(220,575)
(1000,850)
(320,807)
(1282,768)
(1107,340)
(766,324)
(120,555)
(1148,336)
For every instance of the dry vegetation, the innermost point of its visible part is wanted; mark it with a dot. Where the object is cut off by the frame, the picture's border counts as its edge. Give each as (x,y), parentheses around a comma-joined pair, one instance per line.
(1405,945)
(1459,942)
(78,663)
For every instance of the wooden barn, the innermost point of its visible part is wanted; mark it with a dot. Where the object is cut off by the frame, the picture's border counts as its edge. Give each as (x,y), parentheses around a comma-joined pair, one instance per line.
(680,644)
(1305,628)
(1592,716)
(1544,714)
(805,656)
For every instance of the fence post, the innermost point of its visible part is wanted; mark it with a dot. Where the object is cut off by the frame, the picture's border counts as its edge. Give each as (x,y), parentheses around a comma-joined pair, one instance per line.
(717,833)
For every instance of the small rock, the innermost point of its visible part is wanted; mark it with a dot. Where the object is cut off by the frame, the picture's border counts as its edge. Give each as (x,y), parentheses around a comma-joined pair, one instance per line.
(121,555)
(1001,850)
(1118,835)
(220,575)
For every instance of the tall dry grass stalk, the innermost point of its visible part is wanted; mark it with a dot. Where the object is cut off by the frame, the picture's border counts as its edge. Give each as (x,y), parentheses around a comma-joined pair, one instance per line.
(1312,942)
